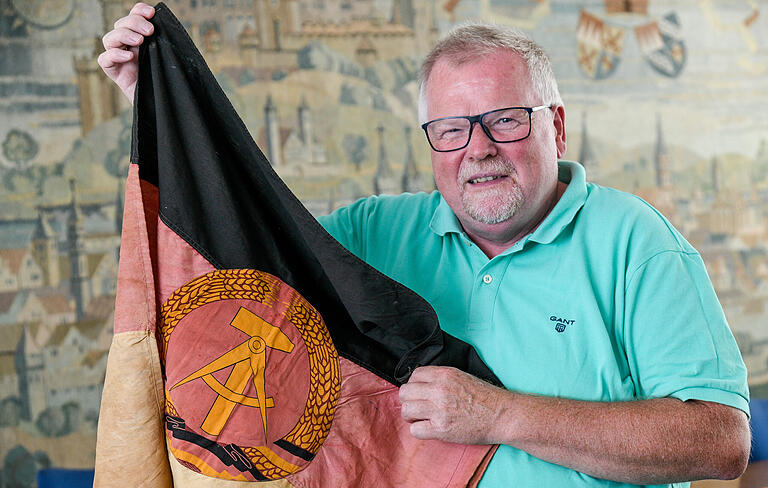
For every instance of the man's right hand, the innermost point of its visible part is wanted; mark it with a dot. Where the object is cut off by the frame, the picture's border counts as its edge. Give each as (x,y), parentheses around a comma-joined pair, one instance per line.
(120,61)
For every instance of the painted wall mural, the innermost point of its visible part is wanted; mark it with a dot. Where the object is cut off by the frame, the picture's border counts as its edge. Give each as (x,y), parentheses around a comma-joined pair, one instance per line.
(668,100)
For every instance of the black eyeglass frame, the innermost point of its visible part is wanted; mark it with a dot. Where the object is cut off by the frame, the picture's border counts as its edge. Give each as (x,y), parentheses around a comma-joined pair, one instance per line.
(479,119)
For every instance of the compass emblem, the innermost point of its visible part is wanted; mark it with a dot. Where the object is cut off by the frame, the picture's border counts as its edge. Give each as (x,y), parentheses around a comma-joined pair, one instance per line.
(249,361)
(251,375)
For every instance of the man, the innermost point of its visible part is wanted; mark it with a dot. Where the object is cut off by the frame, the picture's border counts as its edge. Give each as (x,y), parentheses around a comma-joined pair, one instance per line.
(593,311)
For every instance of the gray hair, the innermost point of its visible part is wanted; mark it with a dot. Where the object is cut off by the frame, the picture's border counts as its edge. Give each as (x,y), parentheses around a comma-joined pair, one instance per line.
(470,41)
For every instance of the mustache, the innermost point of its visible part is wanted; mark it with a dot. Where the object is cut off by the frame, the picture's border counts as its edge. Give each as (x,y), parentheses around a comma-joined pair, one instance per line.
(488,166)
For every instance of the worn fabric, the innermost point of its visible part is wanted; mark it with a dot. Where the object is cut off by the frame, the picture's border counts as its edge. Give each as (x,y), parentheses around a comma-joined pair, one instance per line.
(604,301)
(248,343)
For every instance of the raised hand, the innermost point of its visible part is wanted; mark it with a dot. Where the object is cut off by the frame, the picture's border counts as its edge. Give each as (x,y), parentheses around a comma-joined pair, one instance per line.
(120,60)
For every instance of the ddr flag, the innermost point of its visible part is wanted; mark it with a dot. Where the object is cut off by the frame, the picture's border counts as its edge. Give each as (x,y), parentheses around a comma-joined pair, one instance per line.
(249,345)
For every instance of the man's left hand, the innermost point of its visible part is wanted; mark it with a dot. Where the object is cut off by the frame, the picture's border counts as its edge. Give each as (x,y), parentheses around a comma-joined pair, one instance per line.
(450,405)
(647,442)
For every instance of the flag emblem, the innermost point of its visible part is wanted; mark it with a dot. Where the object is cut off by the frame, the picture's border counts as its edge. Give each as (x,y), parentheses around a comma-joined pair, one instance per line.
(275,354)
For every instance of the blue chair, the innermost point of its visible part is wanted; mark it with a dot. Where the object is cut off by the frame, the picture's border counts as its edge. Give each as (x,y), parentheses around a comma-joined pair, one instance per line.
(64,478)
(759,420)
(756,475)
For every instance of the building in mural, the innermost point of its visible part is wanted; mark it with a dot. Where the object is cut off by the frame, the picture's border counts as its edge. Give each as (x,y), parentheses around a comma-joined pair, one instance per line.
(269,34)
(60,220)
(98,99)
(56,304)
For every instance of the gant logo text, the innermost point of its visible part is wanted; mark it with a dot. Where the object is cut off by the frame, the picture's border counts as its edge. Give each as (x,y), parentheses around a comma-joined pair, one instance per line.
(561,323)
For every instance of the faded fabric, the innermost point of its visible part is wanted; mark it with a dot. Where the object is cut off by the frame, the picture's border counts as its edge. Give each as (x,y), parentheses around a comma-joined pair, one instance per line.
(249,344)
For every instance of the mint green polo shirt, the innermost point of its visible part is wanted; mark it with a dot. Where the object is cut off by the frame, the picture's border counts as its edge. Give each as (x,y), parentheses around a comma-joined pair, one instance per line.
(604,301)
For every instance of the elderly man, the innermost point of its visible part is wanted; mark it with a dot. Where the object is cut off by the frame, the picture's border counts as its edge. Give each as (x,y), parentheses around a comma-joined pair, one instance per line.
(594,312)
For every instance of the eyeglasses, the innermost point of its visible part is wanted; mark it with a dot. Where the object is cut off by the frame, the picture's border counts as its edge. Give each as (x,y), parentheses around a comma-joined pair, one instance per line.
(501,125)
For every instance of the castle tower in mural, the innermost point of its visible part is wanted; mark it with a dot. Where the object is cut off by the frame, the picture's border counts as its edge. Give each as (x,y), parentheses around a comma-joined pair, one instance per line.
(28,361)
(272,126)
(304,117)
(661,158)
(411,176)
(291,149)
(762,152)
(586,153)
(100,98)
(78,261)
(275,20)
(44,250)
(384,181)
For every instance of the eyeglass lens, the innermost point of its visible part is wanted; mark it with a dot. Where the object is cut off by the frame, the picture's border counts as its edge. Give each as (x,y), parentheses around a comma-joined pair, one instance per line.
(504,125)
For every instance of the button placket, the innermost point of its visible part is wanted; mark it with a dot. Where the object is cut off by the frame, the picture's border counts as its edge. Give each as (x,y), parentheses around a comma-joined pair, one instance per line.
(483,299)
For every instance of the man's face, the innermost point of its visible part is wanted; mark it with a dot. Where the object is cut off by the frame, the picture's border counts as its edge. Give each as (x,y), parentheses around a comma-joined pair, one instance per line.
(495,186)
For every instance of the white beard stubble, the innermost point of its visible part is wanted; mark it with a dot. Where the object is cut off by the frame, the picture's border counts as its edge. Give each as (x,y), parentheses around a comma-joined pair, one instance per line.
(494,205)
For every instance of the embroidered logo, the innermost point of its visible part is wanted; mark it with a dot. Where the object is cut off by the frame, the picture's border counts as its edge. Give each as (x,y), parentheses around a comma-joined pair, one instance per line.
(561,323)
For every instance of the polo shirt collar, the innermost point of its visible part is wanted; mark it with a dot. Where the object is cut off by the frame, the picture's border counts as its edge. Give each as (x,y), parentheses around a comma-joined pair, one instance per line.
(444,221)
(567,207)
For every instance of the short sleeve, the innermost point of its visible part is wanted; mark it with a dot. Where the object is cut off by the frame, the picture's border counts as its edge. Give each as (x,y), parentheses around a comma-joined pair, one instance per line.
(677,339)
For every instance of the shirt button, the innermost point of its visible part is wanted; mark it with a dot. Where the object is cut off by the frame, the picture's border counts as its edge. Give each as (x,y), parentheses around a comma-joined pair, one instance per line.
(487,279)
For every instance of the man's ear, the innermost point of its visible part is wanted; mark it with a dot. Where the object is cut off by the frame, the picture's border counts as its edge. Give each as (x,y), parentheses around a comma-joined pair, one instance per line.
(559,123)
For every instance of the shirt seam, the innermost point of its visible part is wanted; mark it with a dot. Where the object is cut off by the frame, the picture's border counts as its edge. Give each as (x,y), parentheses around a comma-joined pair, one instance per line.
(651,257)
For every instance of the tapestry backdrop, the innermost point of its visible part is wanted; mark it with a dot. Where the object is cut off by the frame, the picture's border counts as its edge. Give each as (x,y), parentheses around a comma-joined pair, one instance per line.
(668,100)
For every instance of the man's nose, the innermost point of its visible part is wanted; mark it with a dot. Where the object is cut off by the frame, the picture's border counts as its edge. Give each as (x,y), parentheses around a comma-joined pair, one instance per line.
(480,145)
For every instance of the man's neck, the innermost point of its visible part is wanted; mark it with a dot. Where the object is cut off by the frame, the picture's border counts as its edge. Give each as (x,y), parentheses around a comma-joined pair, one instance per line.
(492,244)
